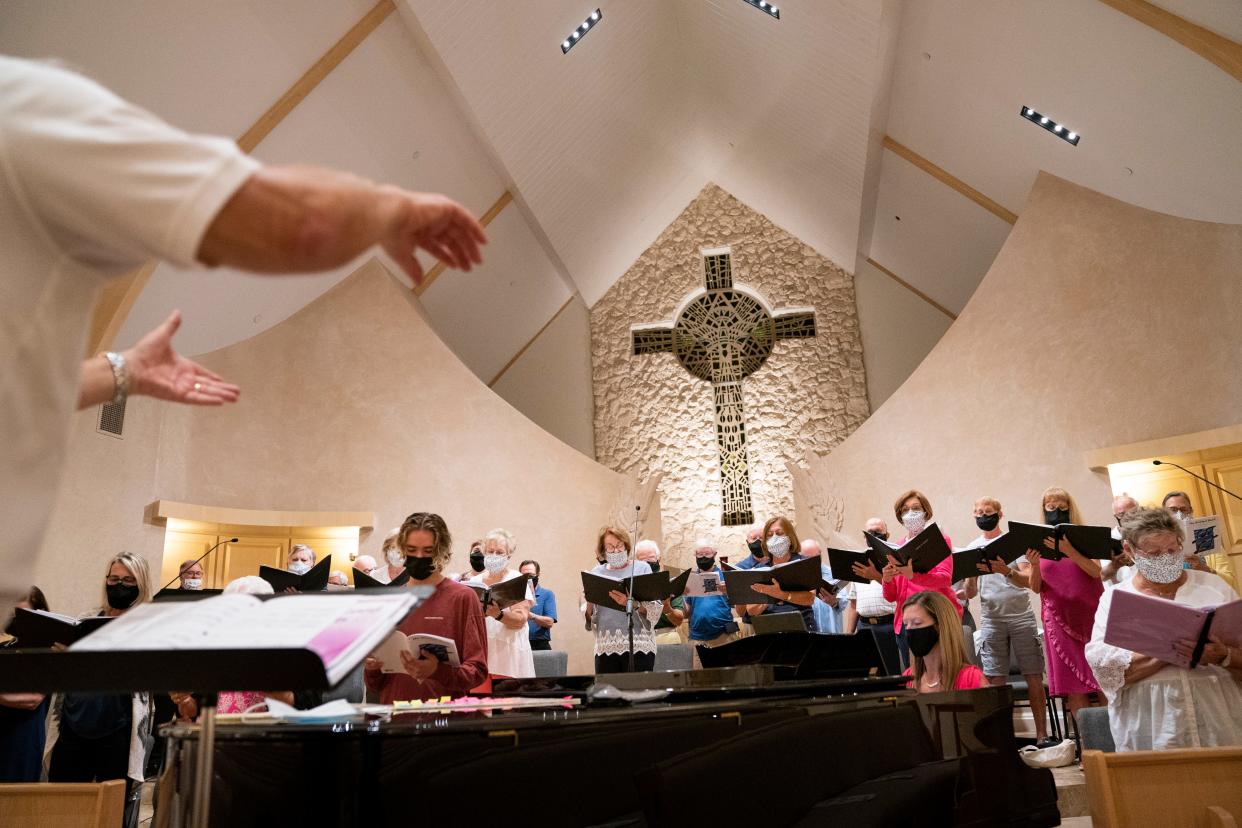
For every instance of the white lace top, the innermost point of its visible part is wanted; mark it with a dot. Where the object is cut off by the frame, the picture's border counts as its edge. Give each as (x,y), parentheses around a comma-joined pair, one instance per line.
(612,636)
(1175,708)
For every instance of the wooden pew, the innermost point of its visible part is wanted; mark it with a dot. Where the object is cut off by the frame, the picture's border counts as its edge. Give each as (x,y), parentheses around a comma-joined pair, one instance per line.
(63,804)
(1194,787)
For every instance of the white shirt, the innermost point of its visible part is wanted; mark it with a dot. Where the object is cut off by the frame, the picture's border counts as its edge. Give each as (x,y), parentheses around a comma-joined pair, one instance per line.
(1175,708)
(90,188)
(868,599)
(508,650)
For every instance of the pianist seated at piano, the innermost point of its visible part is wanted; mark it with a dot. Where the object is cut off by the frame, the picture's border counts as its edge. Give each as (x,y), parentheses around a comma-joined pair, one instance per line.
(1153,705)
(933,631)
(452,611)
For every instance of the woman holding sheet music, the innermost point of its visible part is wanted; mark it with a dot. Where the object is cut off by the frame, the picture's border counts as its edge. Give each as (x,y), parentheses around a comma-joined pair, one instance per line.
(104,736)
(508,643)
(1069,590)
(781,544)
(914,511)
(1152,704)
(612,631)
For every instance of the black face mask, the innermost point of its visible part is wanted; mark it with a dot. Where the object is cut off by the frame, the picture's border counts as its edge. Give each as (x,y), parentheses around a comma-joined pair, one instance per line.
(655,567)
(922,640)
(1054,516)
(705,564)
(121,596)
(476,561)
(534,582)
(987,522)
(756,548)
(420,569)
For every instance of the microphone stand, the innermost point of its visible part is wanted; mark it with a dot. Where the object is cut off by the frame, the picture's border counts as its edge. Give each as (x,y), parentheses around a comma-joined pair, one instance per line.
(1200,477)
(629,590)
(198,560)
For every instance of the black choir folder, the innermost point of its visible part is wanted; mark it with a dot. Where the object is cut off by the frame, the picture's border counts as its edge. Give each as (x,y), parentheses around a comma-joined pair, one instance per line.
(1149,625)
(40,628)
(795,576)
(654,586)
(364,581)
(179,594)
(1007,548)
(1092,541)
(925,550)
(304,641)
(504,594)
(316,580)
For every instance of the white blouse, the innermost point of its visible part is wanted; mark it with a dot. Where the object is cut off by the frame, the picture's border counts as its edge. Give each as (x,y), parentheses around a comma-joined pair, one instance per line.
(508,650)
(1176,707)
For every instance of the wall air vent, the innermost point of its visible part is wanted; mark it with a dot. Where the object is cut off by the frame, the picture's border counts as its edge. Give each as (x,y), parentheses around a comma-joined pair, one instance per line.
(111,419)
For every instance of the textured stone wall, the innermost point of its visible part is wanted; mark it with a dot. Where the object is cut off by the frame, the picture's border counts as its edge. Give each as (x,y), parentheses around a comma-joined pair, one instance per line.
(651,415)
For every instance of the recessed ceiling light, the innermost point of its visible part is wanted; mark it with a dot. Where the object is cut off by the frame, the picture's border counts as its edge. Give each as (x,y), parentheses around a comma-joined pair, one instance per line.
(1059,130)
(584,27)
(765,6)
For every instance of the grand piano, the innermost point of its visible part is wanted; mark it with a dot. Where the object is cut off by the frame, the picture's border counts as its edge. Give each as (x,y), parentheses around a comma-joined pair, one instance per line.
(800,731)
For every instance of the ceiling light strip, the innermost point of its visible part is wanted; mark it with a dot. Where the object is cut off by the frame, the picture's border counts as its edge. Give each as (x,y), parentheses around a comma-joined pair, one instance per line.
(580,32)
(1060,130)
(765,6)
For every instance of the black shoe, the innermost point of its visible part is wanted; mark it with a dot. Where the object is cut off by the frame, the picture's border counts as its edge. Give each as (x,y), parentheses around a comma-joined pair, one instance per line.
(1047,742)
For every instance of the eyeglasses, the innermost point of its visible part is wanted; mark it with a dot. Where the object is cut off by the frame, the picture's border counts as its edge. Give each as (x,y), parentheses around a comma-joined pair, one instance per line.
(615,549)
(1153,553)
(112,580)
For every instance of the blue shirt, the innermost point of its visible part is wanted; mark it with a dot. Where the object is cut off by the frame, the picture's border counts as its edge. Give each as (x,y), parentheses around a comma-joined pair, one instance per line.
(828,619)
(545,604)
(750,562)
(709,614)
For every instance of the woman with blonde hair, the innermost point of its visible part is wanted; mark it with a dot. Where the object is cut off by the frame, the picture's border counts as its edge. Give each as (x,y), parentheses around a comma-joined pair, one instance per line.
(937,652)
(1069,592)
(103,736)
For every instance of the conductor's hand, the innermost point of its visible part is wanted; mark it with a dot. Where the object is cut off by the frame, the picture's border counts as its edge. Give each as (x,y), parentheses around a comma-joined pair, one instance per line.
(435,223)
(156,370)
(421,667)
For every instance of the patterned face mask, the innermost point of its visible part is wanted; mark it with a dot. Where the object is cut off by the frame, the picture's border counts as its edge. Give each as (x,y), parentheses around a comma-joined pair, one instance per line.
(617,559)
(778,545)
(1159,569)
(914,521)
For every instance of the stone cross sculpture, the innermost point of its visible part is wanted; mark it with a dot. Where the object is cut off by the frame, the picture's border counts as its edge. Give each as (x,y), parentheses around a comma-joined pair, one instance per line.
(722,333)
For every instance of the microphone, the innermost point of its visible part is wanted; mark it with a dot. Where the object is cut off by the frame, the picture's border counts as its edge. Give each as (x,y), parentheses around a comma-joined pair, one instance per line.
(1197,476)
(197,560)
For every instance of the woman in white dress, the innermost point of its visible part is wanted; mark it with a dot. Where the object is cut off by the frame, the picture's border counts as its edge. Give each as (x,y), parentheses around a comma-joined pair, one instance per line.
(1153,705)
(508,642)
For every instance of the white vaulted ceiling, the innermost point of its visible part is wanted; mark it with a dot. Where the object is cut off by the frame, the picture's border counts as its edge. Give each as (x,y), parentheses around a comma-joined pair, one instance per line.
(604,146)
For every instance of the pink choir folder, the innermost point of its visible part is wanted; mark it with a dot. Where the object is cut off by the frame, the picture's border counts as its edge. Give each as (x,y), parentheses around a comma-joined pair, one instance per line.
(1150,625)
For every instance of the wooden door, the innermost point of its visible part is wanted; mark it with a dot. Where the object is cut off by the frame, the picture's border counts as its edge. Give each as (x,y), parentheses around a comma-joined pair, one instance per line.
(1227,473)
(185,546)
(233,560)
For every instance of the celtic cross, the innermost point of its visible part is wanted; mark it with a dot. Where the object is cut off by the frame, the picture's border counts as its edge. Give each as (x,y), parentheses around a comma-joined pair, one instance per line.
(722,333)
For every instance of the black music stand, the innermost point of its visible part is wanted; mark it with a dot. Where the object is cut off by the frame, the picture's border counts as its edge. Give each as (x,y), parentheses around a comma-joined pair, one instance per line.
(804,655)
(206,671)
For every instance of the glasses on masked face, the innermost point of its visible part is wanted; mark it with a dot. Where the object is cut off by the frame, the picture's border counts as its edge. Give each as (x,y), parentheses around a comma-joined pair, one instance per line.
(112,580)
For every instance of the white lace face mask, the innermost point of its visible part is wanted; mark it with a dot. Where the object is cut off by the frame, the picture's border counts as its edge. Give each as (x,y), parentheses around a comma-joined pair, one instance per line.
(914,521)
(1159,569)
(395,558)
(778,545)
(617,559)
(495,563)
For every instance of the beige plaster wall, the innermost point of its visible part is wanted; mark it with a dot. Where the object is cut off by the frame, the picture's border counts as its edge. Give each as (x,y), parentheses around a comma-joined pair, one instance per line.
(898,330)
(353,403)
(1099,323)
(651,415)
(551,381)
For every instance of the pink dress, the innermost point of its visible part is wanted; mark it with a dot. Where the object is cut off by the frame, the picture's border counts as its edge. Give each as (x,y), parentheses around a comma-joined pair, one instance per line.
(1068,602)
(939,578)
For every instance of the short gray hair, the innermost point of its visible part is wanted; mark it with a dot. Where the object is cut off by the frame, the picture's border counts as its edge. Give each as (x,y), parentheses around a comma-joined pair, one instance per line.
(503,535)
(301,547)
(248,585)
(647,544)
(1137,524)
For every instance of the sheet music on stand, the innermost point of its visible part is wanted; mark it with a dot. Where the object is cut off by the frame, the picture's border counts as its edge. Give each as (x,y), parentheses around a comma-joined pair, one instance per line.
(229,642)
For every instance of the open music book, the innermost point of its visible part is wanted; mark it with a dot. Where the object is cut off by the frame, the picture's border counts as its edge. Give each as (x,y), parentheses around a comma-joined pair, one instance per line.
(653,586)
(364,581)
(1150,625)
(41,628)
(796,576)
(1091,541)
(925,550)
(1202,535)
(1004,547)
(338,628)
(505,593)
(389,652)
(315,580)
